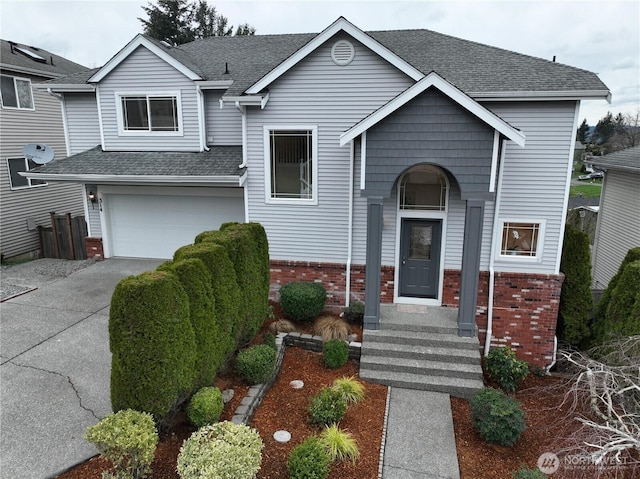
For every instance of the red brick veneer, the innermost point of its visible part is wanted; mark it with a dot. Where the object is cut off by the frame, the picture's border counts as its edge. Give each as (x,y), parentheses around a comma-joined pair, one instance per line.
(93,247)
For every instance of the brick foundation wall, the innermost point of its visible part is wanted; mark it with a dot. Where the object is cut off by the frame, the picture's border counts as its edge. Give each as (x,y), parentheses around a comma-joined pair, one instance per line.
(93,247)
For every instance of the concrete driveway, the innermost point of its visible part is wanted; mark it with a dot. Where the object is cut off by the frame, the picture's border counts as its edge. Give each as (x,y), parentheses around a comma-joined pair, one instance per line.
(55,361)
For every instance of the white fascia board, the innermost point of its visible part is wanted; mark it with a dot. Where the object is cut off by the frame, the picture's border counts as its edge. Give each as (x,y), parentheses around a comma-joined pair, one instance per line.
(138,41)
(65,87)
(341,24)
(214,84)
(233,180)
(247,100)
(435,80)
(542,95)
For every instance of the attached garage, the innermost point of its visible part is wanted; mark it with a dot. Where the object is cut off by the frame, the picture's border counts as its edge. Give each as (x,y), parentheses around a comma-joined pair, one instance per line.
(155,224)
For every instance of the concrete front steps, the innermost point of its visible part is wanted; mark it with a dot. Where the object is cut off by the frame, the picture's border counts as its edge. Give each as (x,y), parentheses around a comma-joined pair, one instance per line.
(417,347)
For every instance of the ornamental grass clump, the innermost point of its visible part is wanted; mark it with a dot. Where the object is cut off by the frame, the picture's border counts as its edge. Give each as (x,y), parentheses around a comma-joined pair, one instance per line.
(335,353)
(302,301)
(498,418)
(503,366)
(309,460)
(330,327)
(128,439)
(339,444)
(351,390)
(205,407)
(257,363)
(223,450)
(327,407)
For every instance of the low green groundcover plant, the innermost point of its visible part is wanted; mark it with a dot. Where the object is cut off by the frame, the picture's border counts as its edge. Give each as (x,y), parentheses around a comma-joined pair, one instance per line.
(309,460)
(498,418)
(205,407)
(223,450)
(327,407)
(128,439)
(335,353)
(302,301)
(526,473)
(257,363)
(503,366)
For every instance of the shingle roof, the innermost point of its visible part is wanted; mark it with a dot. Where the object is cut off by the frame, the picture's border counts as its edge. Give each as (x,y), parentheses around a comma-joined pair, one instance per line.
(218,161)
(628,159)
(10,56)
(471,66)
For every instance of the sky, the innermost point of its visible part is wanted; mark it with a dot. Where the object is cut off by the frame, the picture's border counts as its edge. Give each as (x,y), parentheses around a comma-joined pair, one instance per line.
(600,36)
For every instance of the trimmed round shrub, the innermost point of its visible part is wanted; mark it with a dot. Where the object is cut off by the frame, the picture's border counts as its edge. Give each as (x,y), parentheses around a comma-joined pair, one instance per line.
(128,439)
(335,353)
(221,451)
(309,460)
(503,366)
(152,343)
(256,364)
(498,418)
(205,407)
(327,407)
(302,301)
(354,313)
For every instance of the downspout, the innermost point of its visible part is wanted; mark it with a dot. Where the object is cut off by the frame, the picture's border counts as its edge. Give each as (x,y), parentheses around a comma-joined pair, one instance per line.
(64,118)
(352,154)
(201,119)
(496,234)
(243,112)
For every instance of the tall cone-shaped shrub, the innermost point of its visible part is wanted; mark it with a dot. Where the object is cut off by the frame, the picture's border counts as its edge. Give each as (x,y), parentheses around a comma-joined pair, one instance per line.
(575,298)
(622,317)
(152,344)
(601,309)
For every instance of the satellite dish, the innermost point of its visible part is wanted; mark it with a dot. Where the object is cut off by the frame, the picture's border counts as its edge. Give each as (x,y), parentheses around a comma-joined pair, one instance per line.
(38,153)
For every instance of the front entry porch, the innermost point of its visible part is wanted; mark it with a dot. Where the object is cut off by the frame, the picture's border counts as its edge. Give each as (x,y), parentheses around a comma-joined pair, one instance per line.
(418,347)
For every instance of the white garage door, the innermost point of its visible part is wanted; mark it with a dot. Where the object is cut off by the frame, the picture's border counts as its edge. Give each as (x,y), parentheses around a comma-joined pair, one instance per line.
(154,226)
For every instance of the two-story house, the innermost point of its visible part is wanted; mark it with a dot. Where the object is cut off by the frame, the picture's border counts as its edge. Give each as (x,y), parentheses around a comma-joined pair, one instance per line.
(393,166)
(30,116)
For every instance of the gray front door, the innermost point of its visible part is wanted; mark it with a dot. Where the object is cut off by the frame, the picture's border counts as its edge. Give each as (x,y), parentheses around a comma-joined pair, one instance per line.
(420,258)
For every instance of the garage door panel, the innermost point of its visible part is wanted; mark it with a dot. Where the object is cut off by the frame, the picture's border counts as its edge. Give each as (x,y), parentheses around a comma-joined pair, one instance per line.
(154,226)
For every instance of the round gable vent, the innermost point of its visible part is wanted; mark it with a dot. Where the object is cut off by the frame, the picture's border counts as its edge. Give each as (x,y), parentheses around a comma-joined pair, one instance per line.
(342,52)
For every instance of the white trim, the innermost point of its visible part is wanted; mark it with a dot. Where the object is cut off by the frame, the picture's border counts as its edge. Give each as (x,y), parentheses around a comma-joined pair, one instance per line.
(15,90)
(499,257)
(214,84)
(85,205)
(435,80)
(23,174)
(138,41)
(363,159)
(313,201)
(65,125)
(99,103)
(243,124)
(201,119)
(352,161)
(542,95)
(248,100)
(118,95)
(105,231)
(341,24)
(66,87)
(565,206)
(141,179)
(494,161)
(247,217)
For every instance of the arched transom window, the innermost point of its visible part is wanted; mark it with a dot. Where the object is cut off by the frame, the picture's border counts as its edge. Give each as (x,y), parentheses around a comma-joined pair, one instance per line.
(423,188)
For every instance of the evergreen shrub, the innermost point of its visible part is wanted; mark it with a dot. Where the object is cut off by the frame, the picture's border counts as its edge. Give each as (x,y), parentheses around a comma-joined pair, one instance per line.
(335,353)
(525,473)
(256,364)
(601,309)
(309,460)
(498,418)
(503,367)
(270,340)
(152,343)
(623,313)
(223,450)
(128,439)
(327,407)
(205,407)
(354,313)
(302,301)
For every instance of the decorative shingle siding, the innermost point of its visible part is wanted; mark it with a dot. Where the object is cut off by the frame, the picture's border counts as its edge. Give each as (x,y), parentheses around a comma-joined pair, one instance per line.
(143,72)
(83,124)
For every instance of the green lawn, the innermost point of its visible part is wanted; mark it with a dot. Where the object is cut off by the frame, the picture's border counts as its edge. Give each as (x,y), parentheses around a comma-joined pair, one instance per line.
(588,190)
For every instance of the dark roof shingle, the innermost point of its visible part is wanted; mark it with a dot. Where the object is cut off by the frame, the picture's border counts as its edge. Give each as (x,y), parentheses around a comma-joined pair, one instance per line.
(628,159)
(54,65)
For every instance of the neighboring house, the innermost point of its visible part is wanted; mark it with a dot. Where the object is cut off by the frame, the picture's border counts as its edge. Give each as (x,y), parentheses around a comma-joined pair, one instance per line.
(441,164)
(618,227)
(28,115)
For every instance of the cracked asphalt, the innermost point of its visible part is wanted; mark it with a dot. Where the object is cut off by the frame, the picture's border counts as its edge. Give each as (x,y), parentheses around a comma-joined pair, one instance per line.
(55,362)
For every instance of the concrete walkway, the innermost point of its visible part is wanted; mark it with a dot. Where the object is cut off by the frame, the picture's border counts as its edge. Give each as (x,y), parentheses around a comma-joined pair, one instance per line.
(420,442)
(55,362)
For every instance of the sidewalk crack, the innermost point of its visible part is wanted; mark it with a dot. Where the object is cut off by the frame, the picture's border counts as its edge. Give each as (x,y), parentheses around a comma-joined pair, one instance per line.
(68,378)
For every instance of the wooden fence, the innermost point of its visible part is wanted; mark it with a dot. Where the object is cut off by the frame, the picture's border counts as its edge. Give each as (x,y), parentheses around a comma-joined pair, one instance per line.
(65,238)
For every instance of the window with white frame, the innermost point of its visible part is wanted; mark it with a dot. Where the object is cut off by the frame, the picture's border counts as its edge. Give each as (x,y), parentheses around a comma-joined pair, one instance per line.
(150,113)
(521,239)
(291,163)
(16,92)
(15,166)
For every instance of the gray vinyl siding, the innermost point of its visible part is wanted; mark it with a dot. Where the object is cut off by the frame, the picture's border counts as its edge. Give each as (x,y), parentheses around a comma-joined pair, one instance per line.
(83,125)
(143,72)
(534,178)
(93,219)
(18,128)
(618,224)
(317,92)
(224,125)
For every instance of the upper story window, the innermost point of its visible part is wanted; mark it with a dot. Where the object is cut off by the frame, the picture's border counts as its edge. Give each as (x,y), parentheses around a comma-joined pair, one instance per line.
(291,163)
(153,114)
(15,166)
(522,240)
(423,188)
(16,92)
